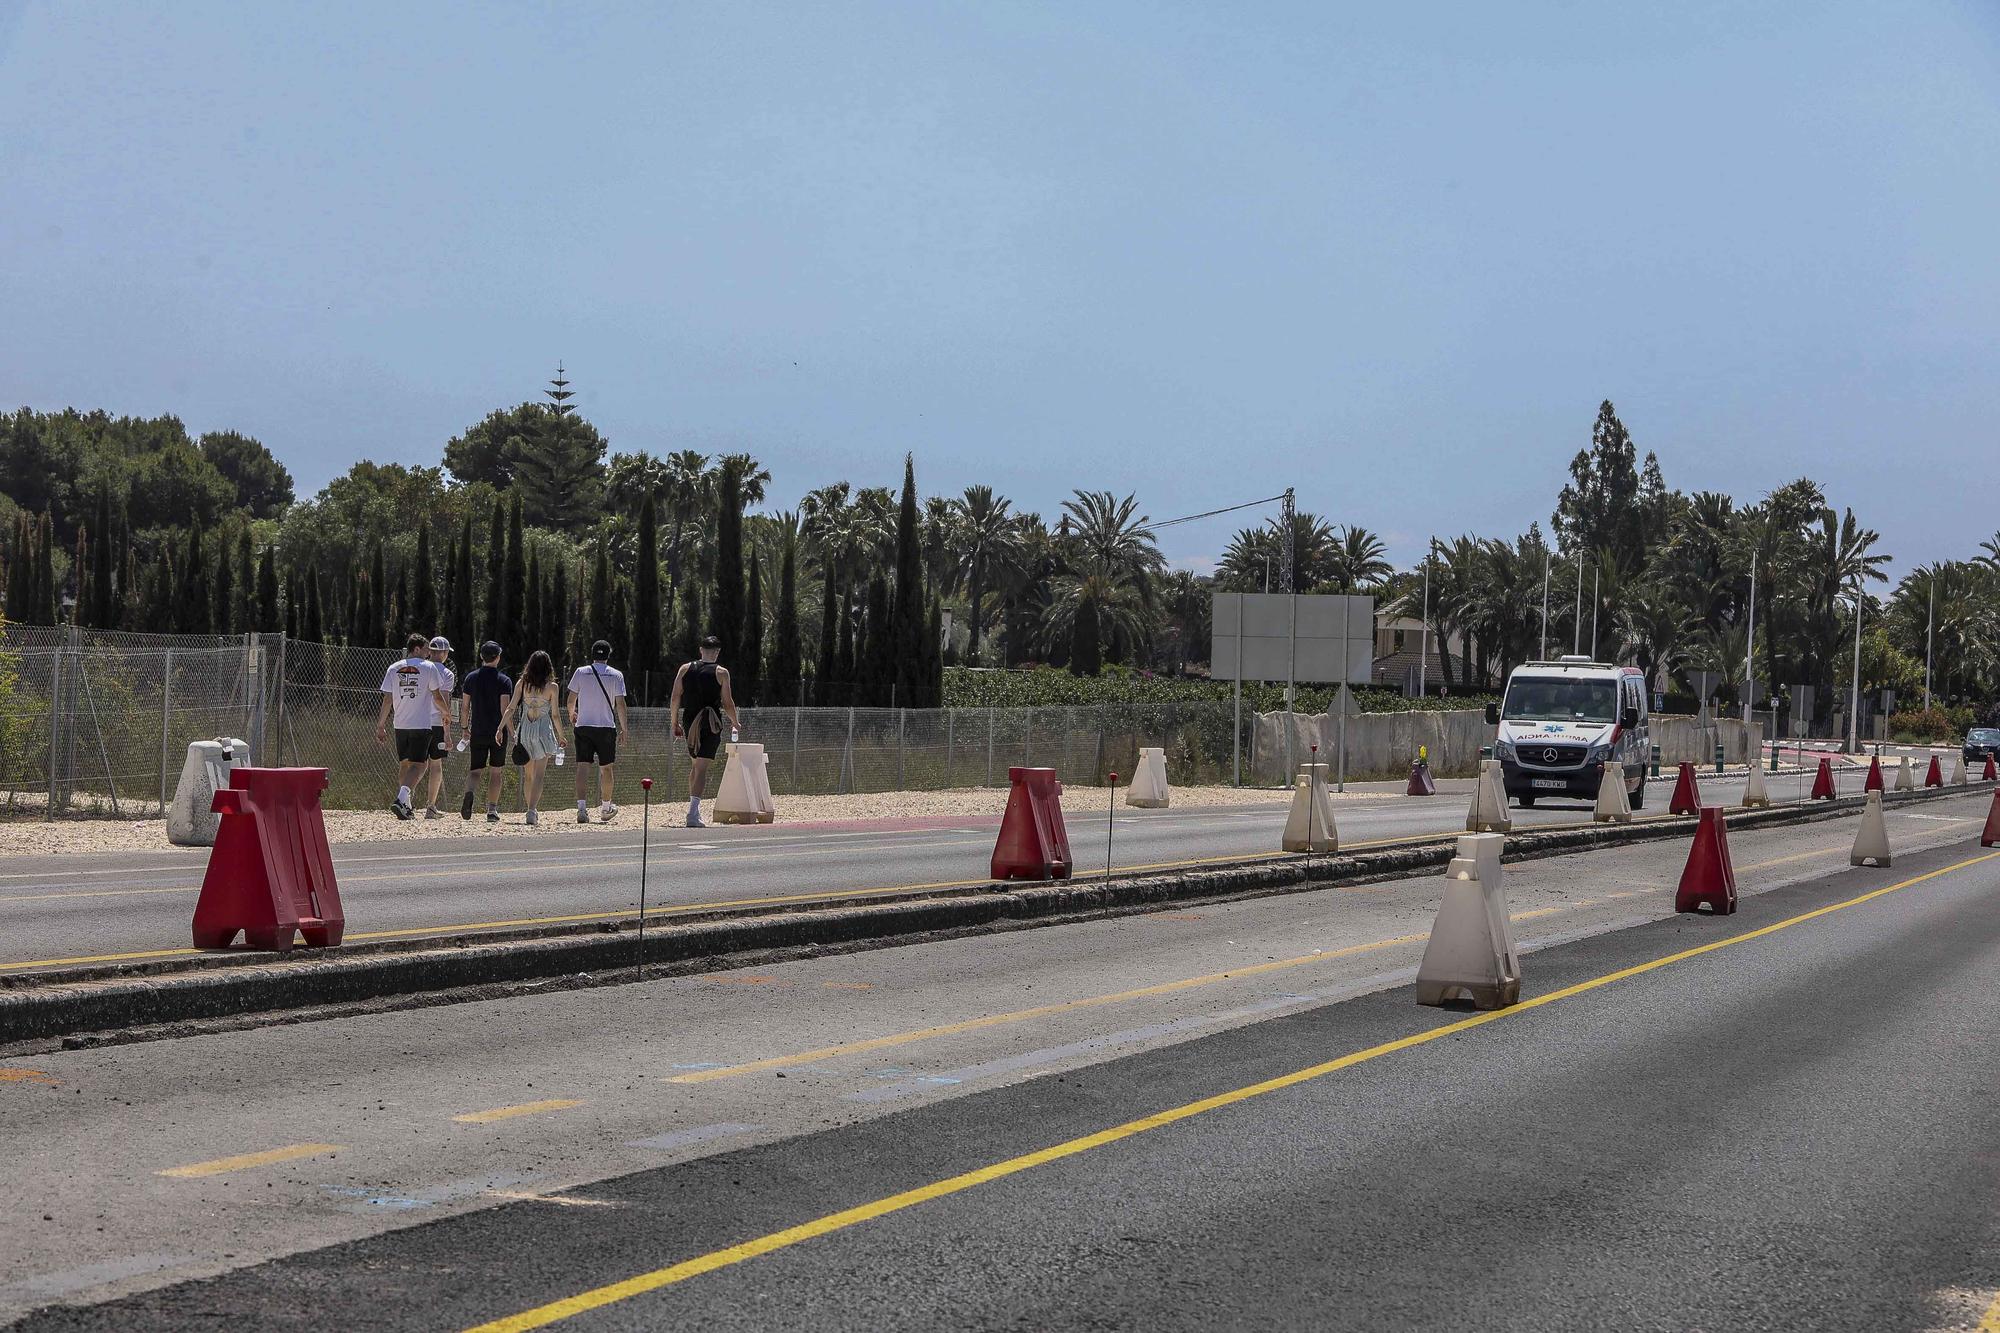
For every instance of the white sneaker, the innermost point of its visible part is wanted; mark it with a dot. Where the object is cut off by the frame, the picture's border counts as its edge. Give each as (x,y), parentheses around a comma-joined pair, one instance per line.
(532,819)
(582,815)
(432,812)
(696,821)
(606,813)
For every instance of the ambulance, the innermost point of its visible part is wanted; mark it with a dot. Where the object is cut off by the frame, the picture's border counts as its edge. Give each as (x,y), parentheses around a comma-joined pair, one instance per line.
(1563,722)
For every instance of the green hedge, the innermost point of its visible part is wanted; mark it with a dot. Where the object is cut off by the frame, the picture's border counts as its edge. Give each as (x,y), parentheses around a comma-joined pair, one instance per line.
(1931,724)
(1044,686)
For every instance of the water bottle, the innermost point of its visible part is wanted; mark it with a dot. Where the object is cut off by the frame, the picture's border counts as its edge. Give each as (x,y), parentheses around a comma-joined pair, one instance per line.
(559,756)
(733,736)
(462,745)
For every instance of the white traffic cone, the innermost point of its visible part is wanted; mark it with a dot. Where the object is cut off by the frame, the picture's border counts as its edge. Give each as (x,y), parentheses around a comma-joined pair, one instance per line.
(1489,801)
(1149,780)
(1309,827)
(1756,796)
(1614,805)
(1958,770)
(1905,779)
(1871,840)
(1471,949)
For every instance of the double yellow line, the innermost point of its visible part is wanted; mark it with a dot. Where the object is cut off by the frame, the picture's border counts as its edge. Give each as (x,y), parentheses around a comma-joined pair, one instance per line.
(597,1298)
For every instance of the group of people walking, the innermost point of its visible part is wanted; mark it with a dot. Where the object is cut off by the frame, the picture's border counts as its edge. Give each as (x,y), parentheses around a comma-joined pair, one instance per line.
(503,718)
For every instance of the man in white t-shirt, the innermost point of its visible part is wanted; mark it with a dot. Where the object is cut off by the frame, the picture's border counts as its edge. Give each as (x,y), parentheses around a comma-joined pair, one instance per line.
(597,716)
(412,696)
(434,766)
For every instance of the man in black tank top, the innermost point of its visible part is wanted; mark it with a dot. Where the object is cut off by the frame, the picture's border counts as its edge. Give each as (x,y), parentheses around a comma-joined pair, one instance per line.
(701,697)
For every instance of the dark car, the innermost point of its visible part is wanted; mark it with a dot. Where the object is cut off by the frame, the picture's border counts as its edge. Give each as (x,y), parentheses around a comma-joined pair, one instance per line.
(1980,742)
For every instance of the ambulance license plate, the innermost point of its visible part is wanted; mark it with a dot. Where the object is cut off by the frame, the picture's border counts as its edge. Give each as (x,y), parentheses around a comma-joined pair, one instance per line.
(1557,783)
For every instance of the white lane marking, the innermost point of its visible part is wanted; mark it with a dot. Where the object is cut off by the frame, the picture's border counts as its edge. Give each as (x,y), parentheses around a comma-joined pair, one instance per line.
(695,846)
(376,1201)
(675,1140)
(68,1280)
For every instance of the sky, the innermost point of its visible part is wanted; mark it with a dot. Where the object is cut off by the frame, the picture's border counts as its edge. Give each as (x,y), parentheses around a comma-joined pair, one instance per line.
(1392,256)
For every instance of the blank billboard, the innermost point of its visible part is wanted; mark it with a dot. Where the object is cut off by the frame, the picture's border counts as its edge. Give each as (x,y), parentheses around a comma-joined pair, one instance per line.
(1302,637)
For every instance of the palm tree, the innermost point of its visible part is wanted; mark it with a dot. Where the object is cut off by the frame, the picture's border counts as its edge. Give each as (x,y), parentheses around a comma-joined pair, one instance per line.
(937,540)
(689,490)
(1110,533)
(1359,560)
(1096,604)
(988,537)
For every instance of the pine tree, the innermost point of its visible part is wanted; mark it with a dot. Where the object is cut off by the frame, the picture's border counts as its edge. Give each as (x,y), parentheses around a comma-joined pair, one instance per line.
(906,617)
(514,601)
(494,625)
(751,673)
(644,664)
(725,619)
(832,600)
(559,475)
(423,592)
(191,590)
(223,585)
(781,681)
(267,592)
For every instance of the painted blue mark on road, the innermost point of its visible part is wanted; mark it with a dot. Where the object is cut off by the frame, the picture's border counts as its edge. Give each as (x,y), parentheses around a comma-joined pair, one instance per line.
(706,1064)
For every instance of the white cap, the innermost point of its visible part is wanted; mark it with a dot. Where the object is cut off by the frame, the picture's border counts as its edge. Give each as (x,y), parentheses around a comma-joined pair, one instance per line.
(441,644)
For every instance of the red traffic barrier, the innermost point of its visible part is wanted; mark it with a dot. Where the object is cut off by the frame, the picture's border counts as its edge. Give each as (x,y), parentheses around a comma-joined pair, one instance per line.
(1421,781)
(269,874)
(1874,782)
(1708,877)
(1033,842)
(1989,775)
(1823,783)
(1990,837)
(1934,777)
(1687,793)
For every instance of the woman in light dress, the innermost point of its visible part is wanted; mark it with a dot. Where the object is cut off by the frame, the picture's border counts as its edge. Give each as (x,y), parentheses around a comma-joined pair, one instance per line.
(530,720)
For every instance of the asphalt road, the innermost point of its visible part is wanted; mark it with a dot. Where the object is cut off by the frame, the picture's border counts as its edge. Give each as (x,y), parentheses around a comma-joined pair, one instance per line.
(1228,1116)
(71,909)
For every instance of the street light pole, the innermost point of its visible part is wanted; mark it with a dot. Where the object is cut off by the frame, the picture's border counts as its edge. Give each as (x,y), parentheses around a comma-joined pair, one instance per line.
(1576,630)
(1930,625)
(1854,699)
(1424,640)
(1750,647)
(1548,563)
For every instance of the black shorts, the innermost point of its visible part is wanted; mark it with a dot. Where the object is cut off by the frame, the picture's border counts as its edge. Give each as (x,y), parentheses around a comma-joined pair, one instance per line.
(413,746)
(437,743)
(485,751)
(703,731)
(596,745)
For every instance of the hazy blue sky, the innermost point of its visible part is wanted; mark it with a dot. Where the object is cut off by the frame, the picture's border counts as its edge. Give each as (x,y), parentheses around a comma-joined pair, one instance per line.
(1392,255)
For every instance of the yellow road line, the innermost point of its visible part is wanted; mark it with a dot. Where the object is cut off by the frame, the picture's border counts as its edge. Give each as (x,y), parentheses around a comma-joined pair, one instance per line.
(509,1112)
(1024,1015)
(244,1161)
(1991,1323)
(598,1297)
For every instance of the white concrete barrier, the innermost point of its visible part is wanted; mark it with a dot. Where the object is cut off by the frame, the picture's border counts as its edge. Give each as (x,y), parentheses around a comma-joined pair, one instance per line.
(1471,948)
(1614,803)
(1756,796)
(1958,770)
(1149,780)
(1488,813)
(1309,826)
(190,820)
(1871,840)
(745,794)
(1905,779)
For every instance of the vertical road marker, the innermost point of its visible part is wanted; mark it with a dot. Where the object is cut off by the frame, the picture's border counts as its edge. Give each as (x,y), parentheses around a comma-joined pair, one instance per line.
(1110,820)
(645,839)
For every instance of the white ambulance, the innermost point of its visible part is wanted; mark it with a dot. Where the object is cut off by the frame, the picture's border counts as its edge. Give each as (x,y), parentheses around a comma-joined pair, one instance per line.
(1562,722)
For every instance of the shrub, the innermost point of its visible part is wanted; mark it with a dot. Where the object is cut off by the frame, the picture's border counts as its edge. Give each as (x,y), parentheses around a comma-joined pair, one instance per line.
(1045,687)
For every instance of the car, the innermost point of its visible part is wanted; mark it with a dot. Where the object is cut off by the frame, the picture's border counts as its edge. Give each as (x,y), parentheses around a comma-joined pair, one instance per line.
(1982,743)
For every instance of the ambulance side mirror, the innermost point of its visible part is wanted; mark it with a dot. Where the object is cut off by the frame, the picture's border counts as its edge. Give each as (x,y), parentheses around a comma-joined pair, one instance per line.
(1493,715)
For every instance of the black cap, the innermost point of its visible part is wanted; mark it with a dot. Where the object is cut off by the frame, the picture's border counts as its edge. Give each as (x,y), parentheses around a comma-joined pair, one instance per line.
(601,649)
(489,649)
(710,641)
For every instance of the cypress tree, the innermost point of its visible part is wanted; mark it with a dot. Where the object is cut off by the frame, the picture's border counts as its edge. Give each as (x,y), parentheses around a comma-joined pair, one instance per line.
(80,565)
(221,618)
(726,616)
(534,619)
(45,573)
(401,621)
(688,646)
(831,600)
(463,630)
(377,631)
(781,682)
(104,593)
(621,636)
(840,689)
(906,617)
(932,687)
(126,608)
(157,602)
(494,626)
(602,612)
(559,623)
(310,627)
(294,591)
(423,608)
(191,604)
(644,664)
(752,671)
(876,671)
(357,611)
(19,566)
(267,592)
(514,601)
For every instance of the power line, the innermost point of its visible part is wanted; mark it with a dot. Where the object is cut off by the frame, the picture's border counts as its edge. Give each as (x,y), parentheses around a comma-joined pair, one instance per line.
(1229,509)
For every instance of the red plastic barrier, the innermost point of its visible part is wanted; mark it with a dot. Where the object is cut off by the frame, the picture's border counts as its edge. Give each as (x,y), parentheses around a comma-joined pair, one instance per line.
(270,873)
(1421,781)
(1874,782)
(1935,777)
(1708,877)
(1990,836)
(1034,841)
(1989,775)
(1687,793)
(1823,784)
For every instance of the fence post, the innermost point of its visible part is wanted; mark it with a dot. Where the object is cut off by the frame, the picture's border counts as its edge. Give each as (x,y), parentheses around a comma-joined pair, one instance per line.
(254,689)
(166,721)
(795,743)
(55,725)
(1097,772)
(950,729)
(1028,741)
(901,715)
(845,783)
(989,745)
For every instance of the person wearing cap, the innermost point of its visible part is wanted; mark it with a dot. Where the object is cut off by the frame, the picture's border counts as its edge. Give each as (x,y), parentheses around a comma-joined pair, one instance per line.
(413,700)
(597,716)
(701,697)
(485,691)
(434,767)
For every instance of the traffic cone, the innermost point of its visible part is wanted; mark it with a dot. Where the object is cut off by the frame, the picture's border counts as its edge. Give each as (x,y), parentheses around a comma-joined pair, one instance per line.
(1989,775)
(1935,776)
(1905,778)
(1874,780)
(1489,801)
(1471,948)
(1309,825)
(1958,769)
(1421,782)
(1991,836)
(1756,796)
(1871,840)
(1614,806)
(1687,793)
(1708,877)
(1823,782)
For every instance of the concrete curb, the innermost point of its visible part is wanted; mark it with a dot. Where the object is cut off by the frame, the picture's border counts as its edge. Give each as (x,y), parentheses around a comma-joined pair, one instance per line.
(47,1006)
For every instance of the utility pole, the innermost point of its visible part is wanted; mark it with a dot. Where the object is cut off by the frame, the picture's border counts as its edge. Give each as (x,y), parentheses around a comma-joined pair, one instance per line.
(1596,600)
(1930,625)
(1424,639)
(1576,630)
(1548,564)
(1854,699)
(1285,538)
(1750,648)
